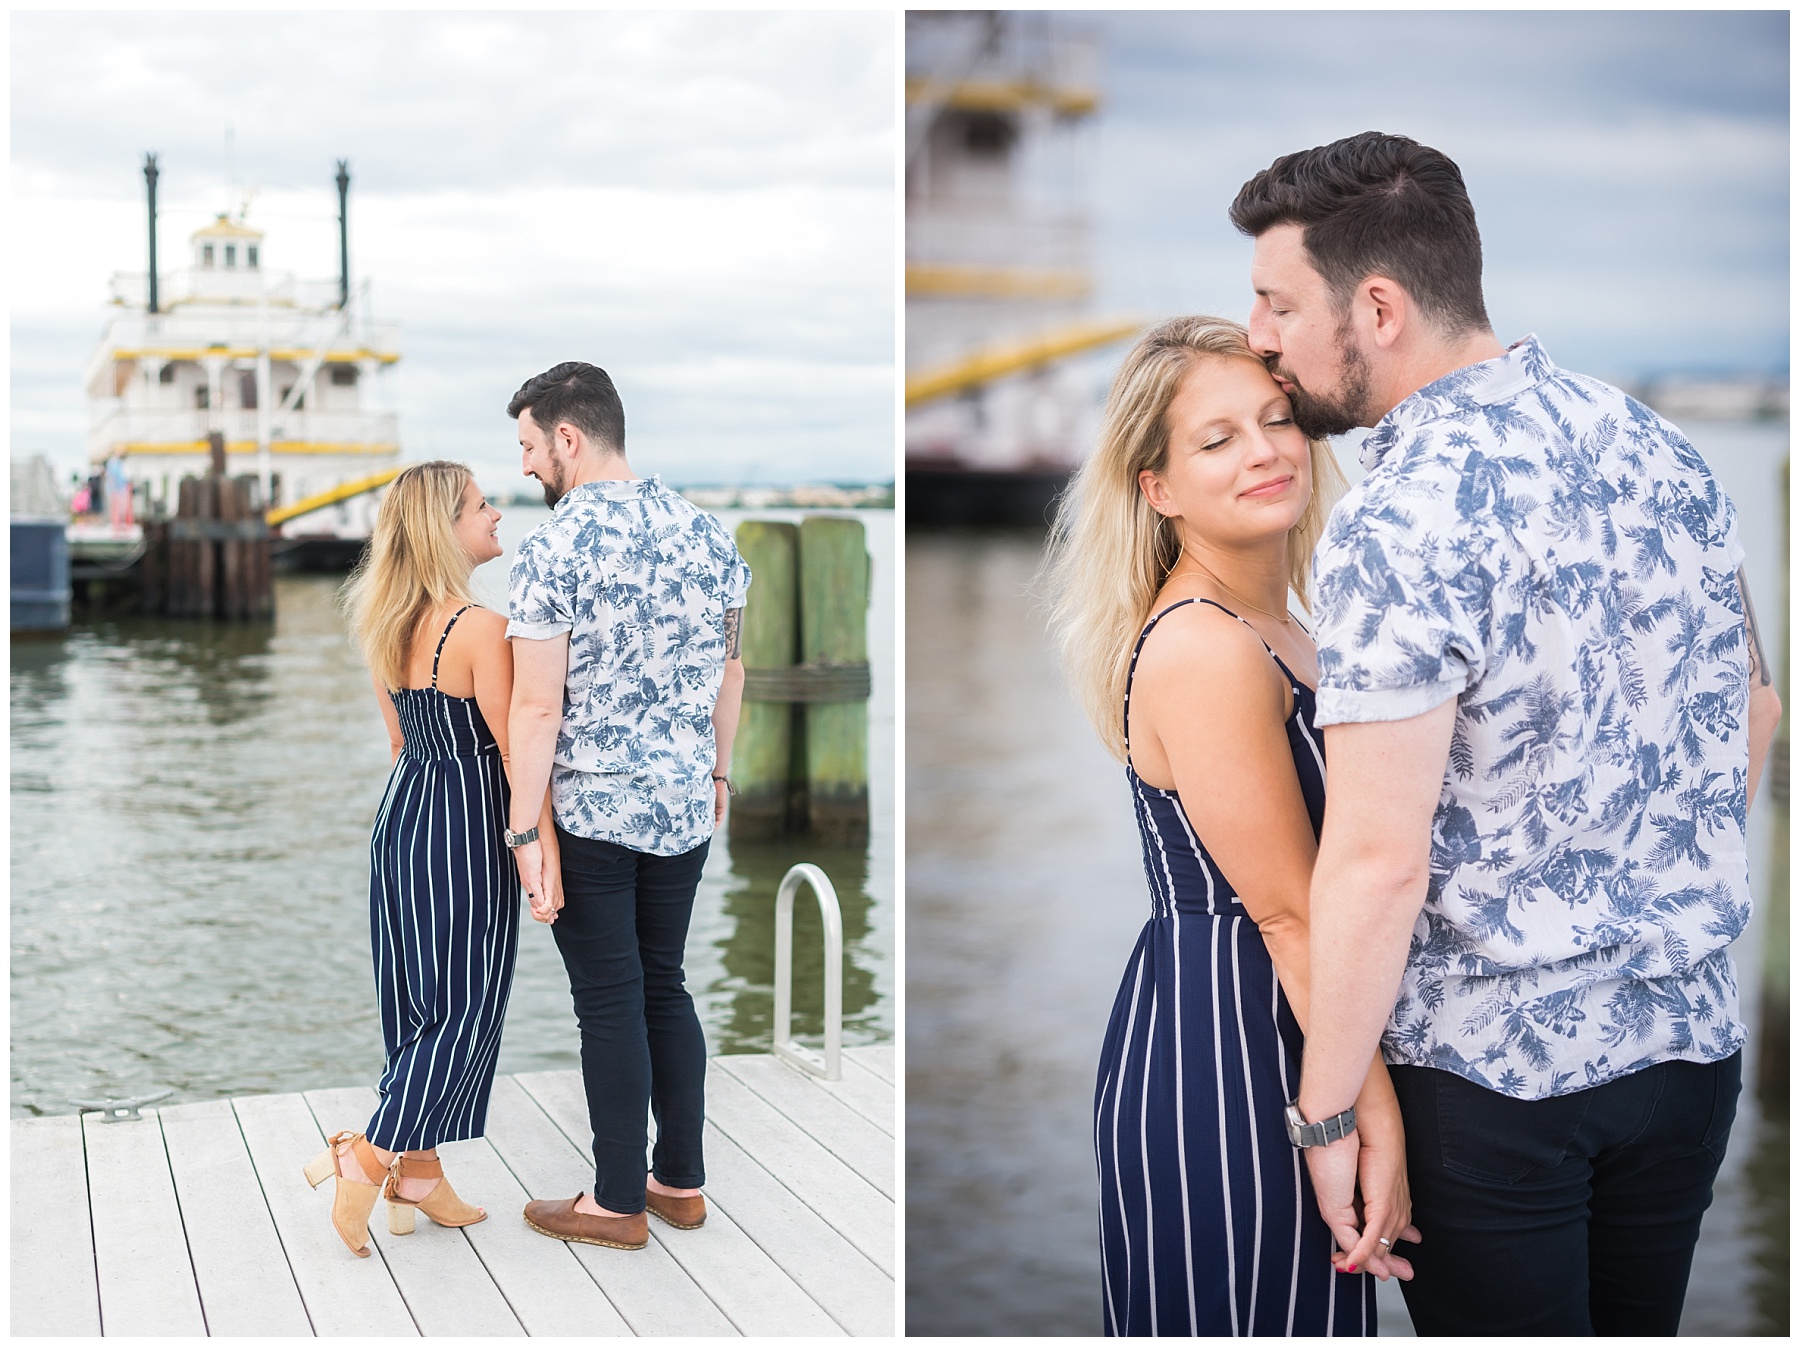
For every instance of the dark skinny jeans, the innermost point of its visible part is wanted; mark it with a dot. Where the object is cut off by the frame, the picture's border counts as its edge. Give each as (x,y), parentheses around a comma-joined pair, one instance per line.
(622,932)
(1575,1215)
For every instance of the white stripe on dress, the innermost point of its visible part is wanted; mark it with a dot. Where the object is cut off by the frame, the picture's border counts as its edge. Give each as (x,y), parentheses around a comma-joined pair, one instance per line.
(1250,1101)
(1124,1062)
(1187,1227)
(1144,1158)
(1287,1093)
(1224,1153)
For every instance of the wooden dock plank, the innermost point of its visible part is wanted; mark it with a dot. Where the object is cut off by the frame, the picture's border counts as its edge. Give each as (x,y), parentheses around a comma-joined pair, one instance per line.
(651,1291)
(140,1249)
(876,1057)
(54,1292)
(246,1287)
(836,1274)
(836,1126)
(751,1288)
(849,1203)
(863,1091)
(205,1224)
(547,1287)
(345,1296)
(436,1268)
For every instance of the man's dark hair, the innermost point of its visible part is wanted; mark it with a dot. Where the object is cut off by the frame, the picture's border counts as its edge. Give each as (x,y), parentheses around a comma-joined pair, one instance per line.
(579,393)
(1376,204)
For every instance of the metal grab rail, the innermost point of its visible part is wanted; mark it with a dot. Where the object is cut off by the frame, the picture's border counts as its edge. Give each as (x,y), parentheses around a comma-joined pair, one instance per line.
(830,1067)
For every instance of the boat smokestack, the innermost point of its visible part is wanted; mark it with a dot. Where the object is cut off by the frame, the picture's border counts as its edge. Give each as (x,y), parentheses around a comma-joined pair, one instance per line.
(150,180)
(343,185)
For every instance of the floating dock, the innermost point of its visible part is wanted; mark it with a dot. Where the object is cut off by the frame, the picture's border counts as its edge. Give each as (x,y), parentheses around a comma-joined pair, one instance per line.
(196,1220)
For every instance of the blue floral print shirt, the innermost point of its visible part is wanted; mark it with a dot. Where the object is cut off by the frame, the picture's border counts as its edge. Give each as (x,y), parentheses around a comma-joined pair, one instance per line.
(641,580)
(1558,558)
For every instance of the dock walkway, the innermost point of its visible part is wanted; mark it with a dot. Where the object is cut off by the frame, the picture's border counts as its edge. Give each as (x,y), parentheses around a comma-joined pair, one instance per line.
(196,1220)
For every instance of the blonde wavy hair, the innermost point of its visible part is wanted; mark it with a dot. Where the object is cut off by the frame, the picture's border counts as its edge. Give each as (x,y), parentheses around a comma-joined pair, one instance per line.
(413,564)
(1109,552)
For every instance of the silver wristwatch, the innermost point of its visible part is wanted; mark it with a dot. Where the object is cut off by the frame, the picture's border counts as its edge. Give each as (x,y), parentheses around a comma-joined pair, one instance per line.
(514,839)
(1304,1134)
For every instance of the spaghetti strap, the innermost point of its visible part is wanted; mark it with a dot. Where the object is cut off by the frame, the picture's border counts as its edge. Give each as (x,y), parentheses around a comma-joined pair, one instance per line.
(439,654)
(1144,635)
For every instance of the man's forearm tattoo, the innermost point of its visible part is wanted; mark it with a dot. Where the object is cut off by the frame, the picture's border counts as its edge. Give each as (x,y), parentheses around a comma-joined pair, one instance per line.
(1759,662)
(734,626)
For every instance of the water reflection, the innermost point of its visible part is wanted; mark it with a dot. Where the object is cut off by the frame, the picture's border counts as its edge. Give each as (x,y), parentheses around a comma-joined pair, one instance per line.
(1766,1224)
(748,958)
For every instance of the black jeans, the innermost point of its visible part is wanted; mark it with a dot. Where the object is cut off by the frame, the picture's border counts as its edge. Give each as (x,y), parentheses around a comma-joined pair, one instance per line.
(1571,1215)
(622,932)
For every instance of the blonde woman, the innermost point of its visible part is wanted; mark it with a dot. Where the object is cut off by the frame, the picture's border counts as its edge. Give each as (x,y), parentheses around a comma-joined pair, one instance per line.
(443,891)
(1172,562)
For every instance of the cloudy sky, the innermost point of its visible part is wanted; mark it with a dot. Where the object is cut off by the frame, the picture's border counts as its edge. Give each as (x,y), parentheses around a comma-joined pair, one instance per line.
(1629,170)
(702,203)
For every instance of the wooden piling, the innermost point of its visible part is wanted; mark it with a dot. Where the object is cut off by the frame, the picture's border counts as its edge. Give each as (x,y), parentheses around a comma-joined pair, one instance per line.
(834,606)
(213,558)
(763,749)
(801,760)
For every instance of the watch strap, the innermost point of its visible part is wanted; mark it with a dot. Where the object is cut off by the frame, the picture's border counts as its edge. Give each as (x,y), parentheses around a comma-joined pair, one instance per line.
(514,839)
(1322,1133)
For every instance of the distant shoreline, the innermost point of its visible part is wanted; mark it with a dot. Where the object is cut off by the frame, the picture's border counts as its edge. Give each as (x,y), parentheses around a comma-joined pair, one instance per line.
(833,496)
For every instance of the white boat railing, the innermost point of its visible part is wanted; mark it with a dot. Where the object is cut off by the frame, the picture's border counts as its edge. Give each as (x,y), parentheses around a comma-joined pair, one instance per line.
(830,1066)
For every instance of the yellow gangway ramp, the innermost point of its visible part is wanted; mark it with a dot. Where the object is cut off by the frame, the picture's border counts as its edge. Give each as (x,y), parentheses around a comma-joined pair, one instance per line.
(985,366)
(342,492)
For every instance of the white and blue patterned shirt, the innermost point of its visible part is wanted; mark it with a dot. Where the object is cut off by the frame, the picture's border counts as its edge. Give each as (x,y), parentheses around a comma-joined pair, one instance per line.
(641,580)
(1558,558)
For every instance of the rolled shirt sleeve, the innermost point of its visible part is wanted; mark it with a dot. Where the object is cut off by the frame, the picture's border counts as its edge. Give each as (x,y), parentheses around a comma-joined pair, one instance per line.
(541,593)
(737,585)
(1396,636)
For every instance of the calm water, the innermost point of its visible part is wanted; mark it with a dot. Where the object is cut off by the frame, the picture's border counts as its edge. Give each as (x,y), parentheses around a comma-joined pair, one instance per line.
(1025,893)
(191,805)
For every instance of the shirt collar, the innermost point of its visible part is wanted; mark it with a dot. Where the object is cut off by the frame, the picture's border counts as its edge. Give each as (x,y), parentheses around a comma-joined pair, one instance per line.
(613,489)
(1524,364)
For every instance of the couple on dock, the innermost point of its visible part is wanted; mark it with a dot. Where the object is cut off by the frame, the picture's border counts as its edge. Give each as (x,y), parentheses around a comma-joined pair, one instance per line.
(1502,931)
(574,751)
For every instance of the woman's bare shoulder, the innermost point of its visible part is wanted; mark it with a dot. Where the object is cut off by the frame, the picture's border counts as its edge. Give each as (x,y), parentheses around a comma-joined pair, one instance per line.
(1204,652)
(1201,635)
(484,620)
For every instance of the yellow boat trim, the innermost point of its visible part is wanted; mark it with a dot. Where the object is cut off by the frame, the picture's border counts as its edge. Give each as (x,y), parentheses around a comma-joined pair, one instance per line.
(1005,96)
(296,354)
(998,282)
(249,447)
(997,361)
(319,501)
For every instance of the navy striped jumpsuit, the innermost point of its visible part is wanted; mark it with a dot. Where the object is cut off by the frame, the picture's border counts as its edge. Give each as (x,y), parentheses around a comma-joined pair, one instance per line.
(443,915)
(1207,1220)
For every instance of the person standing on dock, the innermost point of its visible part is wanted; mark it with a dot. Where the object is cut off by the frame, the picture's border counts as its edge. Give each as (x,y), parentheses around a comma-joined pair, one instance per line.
(443,901)
(1547,707)
(626,609)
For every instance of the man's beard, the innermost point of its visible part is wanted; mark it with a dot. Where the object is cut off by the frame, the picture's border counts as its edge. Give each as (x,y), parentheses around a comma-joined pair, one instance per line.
(557,487)
(1319,416)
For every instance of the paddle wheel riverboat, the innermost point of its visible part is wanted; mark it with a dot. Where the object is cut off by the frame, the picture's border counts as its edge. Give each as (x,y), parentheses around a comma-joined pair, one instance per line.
(287,371)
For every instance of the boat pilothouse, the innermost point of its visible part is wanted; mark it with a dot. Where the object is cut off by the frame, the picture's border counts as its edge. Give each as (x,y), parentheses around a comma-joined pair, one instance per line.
(288,371)
(999,263)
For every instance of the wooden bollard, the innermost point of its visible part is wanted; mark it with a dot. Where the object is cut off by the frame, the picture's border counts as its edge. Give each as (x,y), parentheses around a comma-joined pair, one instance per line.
(834,608)
(763,751)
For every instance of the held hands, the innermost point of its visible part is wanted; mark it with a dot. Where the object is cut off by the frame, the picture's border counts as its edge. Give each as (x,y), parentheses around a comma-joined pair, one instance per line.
(721,794)
(540,875)
(1375,1154)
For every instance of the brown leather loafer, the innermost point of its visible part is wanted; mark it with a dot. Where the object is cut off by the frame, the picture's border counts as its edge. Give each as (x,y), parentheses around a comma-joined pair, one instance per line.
(684,1213)
(560,1220)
